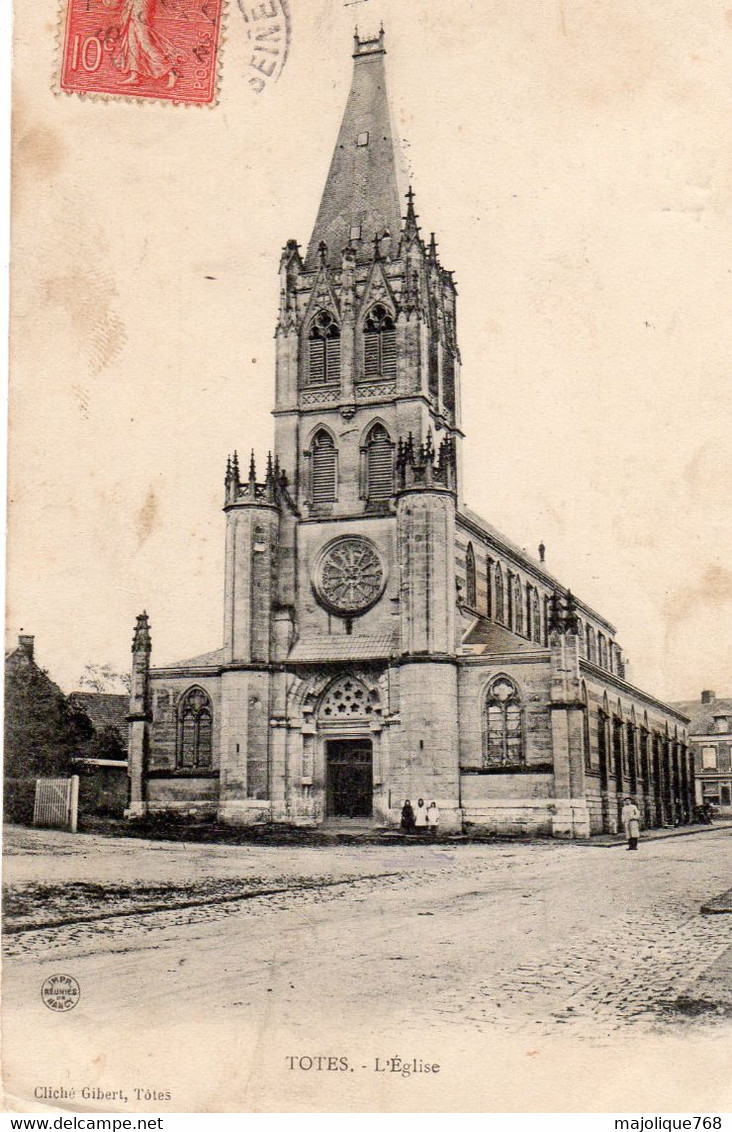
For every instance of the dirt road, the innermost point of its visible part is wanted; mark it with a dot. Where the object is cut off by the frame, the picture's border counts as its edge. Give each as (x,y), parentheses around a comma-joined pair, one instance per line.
(530,973)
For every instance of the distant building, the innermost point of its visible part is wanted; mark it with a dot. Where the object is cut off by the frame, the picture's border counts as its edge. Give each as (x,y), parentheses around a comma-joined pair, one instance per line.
(381,640)
(49,734)
(108,714)
(710,739)
(22,658)
(103,788)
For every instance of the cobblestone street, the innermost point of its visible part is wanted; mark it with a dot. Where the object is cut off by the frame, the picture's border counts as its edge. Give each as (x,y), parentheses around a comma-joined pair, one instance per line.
(523,949)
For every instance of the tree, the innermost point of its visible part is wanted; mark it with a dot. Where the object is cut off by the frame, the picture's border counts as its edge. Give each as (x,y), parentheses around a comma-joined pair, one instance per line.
(103,678)
(43,731)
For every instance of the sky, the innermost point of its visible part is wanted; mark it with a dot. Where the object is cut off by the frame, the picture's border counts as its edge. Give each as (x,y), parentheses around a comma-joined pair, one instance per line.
(573,161)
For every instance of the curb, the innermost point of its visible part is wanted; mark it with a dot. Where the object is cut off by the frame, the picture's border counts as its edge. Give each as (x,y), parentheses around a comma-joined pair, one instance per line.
(652,835)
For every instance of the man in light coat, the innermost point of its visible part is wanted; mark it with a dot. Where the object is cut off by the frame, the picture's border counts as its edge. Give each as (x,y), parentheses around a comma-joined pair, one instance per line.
(630,818)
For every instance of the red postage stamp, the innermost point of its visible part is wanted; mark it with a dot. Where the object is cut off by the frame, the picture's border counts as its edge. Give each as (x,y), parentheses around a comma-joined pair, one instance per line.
(161,49)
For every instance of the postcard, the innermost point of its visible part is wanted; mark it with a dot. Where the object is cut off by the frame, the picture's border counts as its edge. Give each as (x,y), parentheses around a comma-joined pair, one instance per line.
(368,706)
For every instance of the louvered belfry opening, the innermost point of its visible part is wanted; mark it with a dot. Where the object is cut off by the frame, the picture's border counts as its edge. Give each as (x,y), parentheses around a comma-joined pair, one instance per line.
(324,468)
(379,465)
(433,366)
(379,343)
(325,351)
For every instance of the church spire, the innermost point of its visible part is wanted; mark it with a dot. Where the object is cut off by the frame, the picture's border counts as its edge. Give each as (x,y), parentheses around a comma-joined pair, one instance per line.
(361,196)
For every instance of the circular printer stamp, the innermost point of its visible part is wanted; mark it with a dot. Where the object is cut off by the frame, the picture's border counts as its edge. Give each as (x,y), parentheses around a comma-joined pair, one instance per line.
(60,993)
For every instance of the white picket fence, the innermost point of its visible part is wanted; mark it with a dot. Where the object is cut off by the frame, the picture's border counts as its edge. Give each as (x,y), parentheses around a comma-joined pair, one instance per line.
(57,802)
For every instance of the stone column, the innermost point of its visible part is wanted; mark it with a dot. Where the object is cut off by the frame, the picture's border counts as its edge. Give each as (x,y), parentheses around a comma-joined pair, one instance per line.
(571,817)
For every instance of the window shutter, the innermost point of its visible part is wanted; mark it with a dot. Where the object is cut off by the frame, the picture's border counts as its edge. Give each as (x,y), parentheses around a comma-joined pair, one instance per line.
(371,353)
(317,361)
(324,471)
(333,359)
(381,479)
(388,353)
(448,379)
(433,366)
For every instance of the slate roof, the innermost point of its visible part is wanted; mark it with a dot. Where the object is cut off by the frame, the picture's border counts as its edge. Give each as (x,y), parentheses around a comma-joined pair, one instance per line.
(702,715)
(104,709)
(362,187)
(314,649)
(485,637)
(521,555)
(213,659)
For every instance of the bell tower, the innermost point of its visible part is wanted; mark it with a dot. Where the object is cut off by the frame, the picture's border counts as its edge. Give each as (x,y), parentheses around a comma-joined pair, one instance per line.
(367,352)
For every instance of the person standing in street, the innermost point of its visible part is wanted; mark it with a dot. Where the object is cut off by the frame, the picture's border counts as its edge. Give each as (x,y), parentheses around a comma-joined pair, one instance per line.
(420,816)
(433,818)
(407,817)
(630,818)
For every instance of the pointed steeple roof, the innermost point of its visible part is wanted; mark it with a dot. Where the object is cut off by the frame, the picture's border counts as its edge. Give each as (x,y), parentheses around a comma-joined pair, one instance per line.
(361,196)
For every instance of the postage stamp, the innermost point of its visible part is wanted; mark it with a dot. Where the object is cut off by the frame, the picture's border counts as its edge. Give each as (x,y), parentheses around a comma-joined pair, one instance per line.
(152,49)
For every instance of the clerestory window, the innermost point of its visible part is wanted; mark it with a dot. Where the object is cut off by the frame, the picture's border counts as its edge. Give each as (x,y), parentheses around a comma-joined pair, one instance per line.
(500,599)
(470,586)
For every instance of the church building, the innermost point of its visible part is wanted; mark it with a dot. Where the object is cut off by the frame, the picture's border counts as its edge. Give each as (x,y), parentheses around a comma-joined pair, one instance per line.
(381,641)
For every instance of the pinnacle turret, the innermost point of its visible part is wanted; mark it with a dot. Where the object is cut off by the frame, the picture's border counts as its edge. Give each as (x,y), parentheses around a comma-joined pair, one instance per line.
(141,641)
(411,227)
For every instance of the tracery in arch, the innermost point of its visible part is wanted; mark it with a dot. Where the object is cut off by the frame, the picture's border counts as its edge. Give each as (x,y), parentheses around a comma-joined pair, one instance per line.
(195,728)
(347,698)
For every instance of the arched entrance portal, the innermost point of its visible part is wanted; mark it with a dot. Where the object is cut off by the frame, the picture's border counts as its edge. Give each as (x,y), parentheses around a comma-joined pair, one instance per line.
(345,715)
(349,778)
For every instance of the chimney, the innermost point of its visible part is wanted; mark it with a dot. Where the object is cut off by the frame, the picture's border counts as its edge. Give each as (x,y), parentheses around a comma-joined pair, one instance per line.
(26,644)
(706,696)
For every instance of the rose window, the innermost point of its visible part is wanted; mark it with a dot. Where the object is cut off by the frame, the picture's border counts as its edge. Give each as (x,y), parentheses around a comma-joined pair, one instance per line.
(350,575)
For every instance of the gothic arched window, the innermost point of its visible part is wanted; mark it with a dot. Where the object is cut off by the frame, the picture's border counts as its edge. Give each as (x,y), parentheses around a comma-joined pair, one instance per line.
(601,651)
(518,607)
(379,343)
(324,346)
(590,634)
(581,637)
(586,741)
(379,464)
(535,617)
(470,596)
(504,740)
(195,729)
(323,468)
(500,596)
